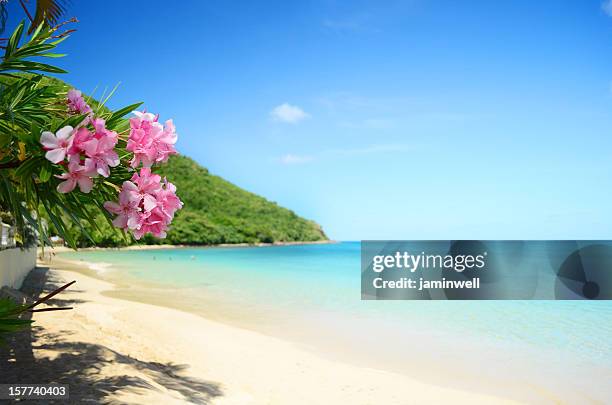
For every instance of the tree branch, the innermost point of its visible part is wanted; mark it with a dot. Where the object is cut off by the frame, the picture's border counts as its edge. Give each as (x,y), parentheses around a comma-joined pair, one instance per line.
(26,11)
(10,165)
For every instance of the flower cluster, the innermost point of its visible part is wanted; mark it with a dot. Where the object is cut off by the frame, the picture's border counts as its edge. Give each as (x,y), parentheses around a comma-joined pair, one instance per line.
(98,146)
(150,141)
(76,103)
(146,205)
(96,150)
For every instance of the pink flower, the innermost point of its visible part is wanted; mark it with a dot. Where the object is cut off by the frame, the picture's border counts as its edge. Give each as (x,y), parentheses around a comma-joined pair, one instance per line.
(165,143)
(100,147)
(101,153)
(100,130)
(81,137)
(145,205)
(144,116)
(57,145)
(144,187)
(150,141)
(77,174)
(152,222)
(76,103)
(167,200)
(126,210)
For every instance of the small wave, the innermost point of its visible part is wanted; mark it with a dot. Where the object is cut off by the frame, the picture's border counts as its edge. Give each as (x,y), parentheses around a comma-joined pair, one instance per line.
(99,267)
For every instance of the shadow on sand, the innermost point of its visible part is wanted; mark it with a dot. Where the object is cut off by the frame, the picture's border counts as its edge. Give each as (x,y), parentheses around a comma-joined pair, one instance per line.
(79,364)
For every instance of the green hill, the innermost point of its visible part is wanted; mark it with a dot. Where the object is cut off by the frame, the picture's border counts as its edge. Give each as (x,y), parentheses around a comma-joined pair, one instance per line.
(215,211)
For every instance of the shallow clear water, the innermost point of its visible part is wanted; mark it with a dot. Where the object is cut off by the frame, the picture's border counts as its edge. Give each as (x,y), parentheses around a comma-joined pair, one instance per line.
(311,293)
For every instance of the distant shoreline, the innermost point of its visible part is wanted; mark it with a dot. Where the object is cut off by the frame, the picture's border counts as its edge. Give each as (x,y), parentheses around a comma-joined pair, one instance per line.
(60,249)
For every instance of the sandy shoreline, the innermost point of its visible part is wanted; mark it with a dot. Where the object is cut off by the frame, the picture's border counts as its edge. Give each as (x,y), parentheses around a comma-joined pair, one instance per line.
(61,249)
(169,356)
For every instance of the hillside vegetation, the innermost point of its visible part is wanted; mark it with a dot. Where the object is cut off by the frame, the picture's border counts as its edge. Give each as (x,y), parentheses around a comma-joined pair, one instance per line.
(217,211)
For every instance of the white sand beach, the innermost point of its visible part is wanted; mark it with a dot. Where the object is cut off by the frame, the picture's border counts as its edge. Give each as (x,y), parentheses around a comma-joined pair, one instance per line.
(108,349)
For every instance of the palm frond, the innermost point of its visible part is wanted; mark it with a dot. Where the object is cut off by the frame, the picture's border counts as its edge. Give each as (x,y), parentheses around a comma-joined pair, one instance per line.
(48,11)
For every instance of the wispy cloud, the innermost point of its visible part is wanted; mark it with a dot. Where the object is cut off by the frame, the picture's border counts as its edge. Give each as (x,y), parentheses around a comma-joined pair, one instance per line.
(368,150)
(355,22)
(291,159)
(606,6)
(288,113)
(370,123)
(366,16)
(343,100)
(351,110)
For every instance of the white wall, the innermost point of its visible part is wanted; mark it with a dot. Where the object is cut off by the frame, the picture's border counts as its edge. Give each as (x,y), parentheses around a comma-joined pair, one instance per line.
(15,264)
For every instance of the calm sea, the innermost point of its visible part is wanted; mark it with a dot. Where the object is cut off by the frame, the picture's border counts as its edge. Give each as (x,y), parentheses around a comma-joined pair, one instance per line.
(311,295)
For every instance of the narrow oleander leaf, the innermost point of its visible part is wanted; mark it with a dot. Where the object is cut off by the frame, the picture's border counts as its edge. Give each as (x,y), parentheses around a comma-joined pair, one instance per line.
(13,42)
(54,55)
(119,114)
(44,175)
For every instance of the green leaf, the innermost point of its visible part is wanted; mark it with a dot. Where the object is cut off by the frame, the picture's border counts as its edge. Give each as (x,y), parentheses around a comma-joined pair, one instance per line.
(117,115)
(45,173)
(13,42)
(54,55)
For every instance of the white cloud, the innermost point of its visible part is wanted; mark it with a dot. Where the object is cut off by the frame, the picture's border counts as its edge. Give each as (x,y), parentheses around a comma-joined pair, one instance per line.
(286,112)
(606,6)
(368,150)
(290,159)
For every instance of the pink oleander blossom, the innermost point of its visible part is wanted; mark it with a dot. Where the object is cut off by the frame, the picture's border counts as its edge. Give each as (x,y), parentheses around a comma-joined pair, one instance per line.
(167,200)
(100,129)
(77,174)
(152,222)
(126,210)
(150,141)
(143,187)
(76,103)
(101,153)
(146,205)
(57,145)
(81,137)
(100,148)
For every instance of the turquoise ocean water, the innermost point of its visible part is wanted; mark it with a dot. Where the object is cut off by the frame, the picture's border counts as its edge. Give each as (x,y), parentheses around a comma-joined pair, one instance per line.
(311,295)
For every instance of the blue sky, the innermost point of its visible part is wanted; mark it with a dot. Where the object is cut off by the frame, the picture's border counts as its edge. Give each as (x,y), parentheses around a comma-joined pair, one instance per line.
(378,119)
